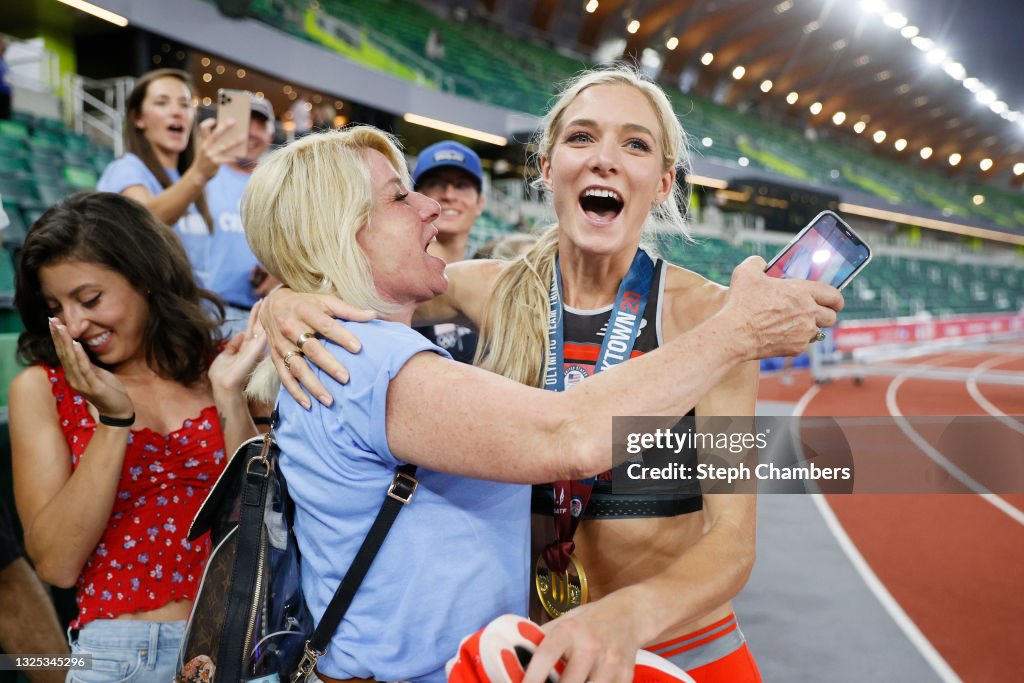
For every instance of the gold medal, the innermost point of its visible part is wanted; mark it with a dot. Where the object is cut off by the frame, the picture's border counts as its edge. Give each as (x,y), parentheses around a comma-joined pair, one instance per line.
(559,592)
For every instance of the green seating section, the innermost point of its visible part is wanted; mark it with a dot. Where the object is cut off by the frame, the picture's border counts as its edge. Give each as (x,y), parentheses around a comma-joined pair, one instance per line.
(889,286)
(41,161)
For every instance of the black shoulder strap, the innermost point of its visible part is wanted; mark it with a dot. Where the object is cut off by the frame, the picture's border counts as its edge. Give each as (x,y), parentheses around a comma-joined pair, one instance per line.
(403,485)
(247,562)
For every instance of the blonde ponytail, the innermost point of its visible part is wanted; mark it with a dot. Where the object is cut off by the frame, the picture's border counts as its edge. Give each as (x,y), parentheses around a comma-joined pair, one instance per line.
(513,335)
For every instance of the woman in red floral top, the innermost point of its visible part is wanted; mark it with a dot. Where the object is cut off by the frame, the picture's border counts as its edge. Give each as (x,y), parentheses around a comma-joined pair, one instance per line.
(121,425)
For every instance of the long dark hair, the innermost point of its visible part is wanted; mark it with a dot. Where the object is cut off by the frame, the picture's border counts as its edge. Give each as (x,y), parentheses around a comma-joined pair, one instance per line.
(135,140)
(181,335)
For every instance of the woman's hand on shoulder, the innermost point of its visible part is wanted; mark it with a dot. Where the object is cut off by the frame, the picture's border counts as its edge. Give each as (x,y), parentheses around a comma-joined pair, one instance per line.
(231,368)
(98,386)
(289,317)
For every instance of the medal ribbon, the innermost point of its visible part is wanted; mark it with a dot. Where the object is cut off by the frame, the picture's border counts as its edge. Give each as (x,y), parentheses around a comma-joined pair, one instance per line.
(619,338)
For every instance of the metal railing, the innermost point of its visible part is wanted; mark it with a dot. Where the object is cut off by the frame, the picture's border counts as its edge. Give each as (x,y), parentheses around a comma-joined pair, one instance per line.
(98,107)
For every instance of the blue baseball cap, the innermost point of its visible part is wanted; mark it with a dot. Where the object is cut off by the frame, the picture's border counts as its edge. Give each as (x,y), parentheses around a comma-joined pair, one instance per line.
(448,154)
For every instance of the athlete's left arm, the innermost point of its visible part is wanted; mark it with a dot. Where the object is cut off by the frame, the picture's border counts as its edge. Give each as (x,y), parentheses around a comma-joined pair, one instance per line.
(599,640)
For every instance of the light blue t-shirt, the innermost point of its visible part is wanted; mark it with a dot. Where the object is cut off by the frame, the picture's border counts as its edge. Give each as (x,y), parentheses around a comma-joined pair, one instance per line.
(457,556)
(231,261)
(129,170)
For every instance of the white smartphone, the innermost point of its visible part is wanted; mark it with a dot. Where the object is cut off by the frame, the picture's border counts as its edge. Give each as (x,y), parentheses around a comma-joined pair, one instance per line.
(826,250)
(235,104)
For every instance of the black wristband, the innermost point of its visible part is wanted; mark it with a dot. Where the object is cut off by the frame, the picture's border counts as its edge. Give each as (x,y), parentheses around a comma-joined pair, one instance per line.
(117,421)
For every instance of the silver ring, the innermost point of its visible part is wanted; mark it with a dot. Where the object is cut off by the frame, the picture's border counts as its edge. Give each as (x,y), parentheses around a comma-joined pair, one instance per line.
(303,338)
(287,359)
(819,336)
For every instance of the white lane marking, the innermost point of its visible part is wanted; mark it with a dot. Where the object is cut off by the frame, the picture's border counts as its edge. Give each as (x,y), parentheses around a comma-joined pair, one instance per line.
(927,651)
(988,406)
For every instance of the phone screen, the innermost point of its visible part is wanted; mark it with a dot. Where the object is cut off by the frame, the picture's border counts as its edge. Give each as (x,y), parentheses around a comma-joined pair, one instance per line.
(825,251)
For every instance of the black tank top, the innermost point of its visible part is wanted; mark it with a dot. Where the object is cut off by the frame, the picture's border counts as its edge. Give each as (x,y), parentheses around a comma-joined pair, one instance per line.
(583,333)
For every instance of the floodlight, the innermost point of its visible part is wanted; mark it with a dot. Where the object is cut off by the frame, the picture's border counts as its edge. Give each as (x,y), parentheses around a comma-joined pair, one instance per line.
(909,31)
(766,85)
(895,20)
(672,43)
(926,152)
(921,43)
(707,58)
(985,164)
(986,96)
(816,108)
(978,199)
(591,6)
(936,56)
(956,70)
(738,72)
(634,26)
(954,158)
(859,127)
(839,117)
(900,145)
(1018,169)
(792,97)
(879,136)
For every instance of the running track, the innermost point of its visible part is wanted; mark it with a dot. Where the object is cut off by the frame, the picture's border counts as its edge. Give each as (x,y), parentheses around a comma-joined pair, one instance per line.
(954,564)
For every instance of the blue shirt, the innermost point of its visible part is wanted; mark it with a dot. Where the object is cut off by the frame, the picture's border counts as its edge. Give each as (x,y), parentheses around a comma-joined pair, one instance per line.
(230,260)
(456,557)
(129,170)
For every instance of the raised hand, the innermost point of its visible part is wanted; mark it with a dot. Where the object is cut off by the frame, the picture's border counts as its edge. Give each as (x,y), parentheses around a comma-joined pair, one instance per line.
(211,151)
(231,368)
(98,386)
(778,317)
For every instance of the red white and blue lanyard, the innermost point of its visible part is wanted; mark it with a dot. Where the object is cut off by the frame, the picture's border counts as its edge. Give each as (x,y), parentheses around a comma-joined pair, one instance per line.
(619,338)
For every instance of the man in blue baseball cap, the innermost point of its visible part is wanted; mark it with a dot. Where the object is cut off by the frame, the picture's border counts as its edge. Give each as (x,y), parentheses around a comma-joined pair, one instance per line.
(450,173)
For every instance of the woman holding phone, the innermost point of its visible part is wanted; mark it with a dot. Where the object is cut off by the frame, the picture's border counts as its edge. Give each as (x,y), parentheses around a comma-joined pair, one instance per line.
(170,159)
(661,576)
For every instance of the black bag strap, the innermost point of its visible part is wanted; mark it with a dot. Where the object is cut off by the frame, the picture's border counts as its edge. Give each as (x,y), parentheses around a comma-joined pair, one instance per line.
(399,494)
(247,562)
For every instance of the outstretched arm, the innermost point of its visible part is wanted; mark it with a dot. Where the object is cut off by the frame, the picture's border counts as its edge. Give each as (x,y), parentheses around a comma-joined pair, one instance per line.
(288,315)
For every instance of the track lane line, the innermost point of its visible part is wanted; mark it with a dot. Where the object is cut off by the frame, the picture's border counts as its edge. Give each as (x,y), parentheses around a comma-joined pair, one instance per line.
(986,405)
(933,453)
(902,620)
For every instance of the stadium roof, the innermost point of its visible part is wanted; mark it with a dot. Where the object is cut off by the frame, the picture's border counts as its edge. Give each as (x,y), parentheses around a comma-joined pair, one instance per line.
(902,67)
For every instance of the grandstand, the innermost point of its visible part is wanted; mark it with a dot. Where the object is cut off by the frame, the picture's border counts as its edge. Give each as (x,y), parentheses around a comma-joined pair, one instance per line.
(948,241)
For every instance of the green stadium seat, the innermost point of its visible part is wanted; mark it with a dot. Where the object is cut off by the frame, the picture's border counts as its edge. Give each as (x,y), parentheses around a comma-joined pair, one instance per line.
(80,178)
(6,280)
(13,129)
(9,365)
(14,233)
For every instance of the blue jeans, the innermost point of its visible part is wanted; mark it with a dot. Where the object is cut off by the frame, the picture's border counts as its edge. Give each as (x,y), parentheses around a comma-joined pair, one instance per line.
(124,650)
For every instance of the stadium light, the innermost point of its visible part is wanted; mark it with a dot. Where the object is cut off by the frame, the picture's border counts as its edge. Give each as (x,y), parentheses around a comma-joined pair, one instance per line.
(455,129)
(999,107)
(909,31)
(978,199)
(859,127)
(634,26)
(921,43)
(792,97)
(98,12)
(672,43)
(973,84)
(815,108)
(900,145)
(874,6)
(926,153)
(895,20)
(707,58)
(936,56)
(707,142)
(1018,168)
(591,6)
(743,161)
(766,85)
(955,70)
(954,158)
(839,117)
(879,136)
(783,6)
(985,164)
(986,96)
(738,72)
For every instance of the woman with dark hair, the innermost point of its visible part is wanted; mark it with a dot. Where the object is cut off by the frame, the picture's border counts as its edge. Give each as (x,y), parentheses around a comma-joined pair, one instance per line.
(121,424)
(170,159)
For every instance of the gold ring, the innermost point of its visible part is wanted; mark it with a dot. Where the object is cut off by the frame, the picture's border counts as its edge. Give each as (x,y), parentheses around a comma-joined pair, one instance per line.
(303,338)
(287,358)
(819,336)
